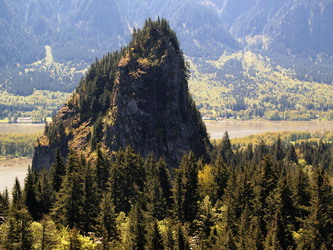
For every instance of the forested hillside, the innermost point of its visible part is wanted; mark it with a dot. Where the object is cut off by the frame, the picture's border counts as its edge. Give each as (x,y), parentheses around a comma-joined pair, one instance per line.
(48,46)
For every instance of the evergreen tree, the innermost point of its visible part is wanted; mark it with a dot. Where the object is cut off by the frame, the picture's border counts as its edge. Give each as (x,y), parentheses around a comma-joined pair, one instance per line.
(17,196)
(58,171)
(238,193)
(264,181)
(256,234)
(260,151)
(186,189)
(278,150)
(243,229)
(102,170)
(226,150)
(154,238)
(181,239)
(275,233)
(68,207)
(317,231)
(225,238)
(91,201)
(19,234)
(107,221)
(97,133)
(279,212)
(169,241)
(46,235)
(136,229)
(126,180)
(165,180)
(248,153)
(4,205)
(291,154)
(30,196)
(155,200)
(44,193)
(221,176)
(300,196)
(206,218)
(74,239)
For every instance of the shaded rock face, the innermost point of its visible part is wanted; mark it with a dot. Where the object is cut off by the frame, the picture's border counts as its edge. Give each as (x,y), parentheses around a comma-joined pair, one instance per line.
(153,111)
(149,108)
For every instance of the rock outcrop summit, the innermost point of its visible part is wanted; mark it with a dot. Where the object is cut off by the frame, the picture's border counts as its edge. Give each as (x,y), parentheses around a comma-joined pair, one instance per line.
(135,97)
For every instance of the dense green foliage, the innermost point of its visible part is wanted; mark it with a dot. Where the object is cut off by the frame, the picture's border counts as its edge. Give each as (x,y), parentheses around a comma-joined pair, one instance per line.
(286,136)
(39,105)
(252,85)
(276,196)
(17,145)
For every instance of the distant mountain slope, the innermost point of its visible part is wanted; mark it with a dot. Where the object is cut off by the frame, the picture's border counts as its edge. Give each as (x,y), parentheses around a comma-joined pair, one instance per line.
(294,34)
(260,88)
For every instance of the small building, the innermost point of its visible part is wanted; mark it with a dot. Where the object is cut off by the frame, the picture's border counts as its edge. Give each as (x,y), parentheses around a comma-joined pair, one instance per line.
(24,120)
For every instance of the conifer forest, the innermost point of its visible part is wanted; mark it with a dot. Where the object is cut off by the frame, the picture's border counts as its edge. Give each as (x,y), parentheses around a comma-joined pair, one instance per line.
(111,184)
(258,197)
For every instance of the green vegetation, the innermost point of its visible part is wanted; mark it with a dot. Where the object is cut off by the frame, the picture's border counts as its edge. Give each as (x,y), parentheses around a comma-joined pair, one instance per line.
(39,105)
(97,196)
(286,136)
(248,85)
(261,197)
(17,145)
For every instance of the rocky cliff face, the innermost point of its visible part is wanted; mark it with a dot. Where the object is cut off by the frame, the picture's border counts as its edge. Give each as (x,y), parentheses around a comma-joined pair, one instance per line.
(141,101)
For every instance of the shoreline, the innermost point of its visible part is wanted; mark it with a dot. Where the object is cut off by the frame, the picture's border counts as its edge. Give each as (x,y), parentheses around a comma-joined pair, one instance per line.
(19,161)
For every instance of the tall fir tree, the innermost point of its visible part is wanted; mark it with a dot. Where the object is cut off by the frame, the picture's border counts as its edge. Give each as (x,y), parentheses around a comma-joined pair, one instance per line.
(300,196)
(102,170)
(44,193)
(277,148)
(279,213)
(181,238)
(221,175)
(17,195)
(226,150)
(136,229)
(68,207)
(206,218)
(29,194)
(155,200)
(126,179)
(154,238)
(107,222)
(274,238)
(91,198)
(185,191)
(4,205)
(291,155)
(19,233)
(317,230)
(58,171)
(169,240)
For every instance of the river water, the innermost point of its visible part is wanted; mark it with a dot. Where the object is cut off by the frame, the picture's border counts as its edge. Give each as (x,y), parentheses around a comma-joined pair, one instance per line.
(9,169)
(18,128)
(236,129)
